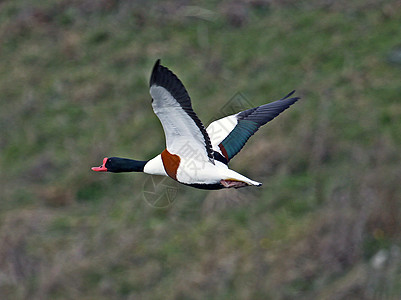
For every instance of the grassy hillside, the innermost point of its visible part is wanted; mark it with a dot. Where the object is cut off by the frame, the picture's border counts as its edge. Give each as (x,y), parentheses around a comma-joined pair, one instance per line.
(74,89)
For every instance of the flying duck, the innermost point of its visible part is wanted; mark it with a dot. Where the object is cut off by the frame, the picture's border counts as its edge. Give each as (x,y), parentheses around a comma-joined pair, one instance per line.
(196,156)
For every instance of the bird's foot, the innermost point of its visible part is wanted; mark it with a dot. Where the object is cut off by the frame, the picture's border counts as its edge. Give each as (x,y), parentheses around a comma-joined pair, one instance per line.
(233,183)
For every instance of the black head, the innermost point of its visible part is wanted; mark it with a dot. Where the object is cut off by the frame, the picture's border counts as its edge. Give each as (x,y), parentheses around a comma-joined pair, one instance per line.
(117,165)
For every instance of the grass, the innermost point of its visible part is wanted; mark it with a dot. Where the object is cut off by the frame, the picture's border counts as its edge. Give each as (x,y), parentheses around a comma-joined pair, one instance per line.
(74,86)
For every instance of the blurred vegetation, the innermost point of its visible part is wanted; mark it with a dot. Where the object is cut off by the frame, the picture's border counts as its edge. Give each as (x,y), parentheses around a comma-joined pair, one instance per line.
(74,88)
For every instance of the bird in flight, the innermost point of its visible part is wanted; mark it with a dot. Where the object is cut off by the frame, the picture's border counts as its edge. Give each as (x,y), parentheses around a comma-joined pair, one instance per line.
(196,156)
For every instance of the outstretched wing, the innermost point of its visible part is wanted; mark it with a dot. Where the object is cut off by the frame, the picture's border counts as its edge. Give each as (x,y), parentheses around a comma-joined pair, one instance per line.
(185,133)
(228,135)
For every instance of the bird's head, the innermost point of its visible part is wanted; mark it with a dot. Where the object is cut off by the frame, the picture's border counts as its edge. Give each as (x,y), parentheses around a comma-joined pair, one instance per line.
(117,165)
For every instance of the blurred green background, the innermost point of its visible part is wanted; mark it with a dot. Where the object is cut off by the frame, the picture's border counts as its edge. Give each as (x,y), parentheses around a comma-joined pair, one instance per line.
(74,88)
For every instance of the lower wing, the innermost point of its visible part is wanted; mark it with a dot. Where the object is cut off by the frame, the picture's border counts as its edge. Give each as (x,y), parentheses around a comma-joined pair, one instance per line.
(228,135)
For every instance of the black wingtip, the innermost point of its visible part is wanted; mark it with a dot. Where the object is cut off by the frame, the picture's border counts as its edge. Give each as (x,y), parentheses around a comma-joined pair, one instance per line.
(289,95)
(154,71)
(290,100)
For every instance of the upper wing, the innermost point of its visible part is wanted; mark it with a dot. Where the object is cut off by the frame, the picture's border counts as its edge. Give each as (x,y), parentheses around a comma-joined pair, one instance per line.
(185,133)
(228,135)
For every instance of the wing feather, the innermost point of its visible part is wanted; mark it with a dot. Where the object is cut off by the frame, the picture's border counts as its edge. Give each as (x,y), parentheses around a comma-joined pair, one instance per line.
(172,105)
(230,134)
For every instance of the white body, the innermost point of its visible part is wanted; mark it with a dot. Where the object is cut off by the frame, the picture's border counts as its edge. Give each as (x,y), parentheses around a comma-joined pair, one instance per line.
(195,171)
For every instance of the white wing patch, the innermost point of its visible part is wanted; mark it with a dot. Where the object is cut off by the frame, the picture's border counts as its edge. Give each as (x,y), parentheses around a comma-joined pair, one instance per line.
(220,129)
(179,128)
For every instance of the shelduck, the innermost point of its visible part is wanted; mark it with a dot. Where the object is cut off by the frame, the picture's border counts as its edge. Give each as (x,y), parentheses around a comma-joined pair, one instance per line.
(196,156)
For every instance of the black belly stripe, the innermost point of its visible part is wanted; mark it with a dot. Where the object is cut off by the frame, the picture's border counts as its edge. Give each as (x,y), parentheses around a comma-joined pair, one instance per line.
(204,186)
